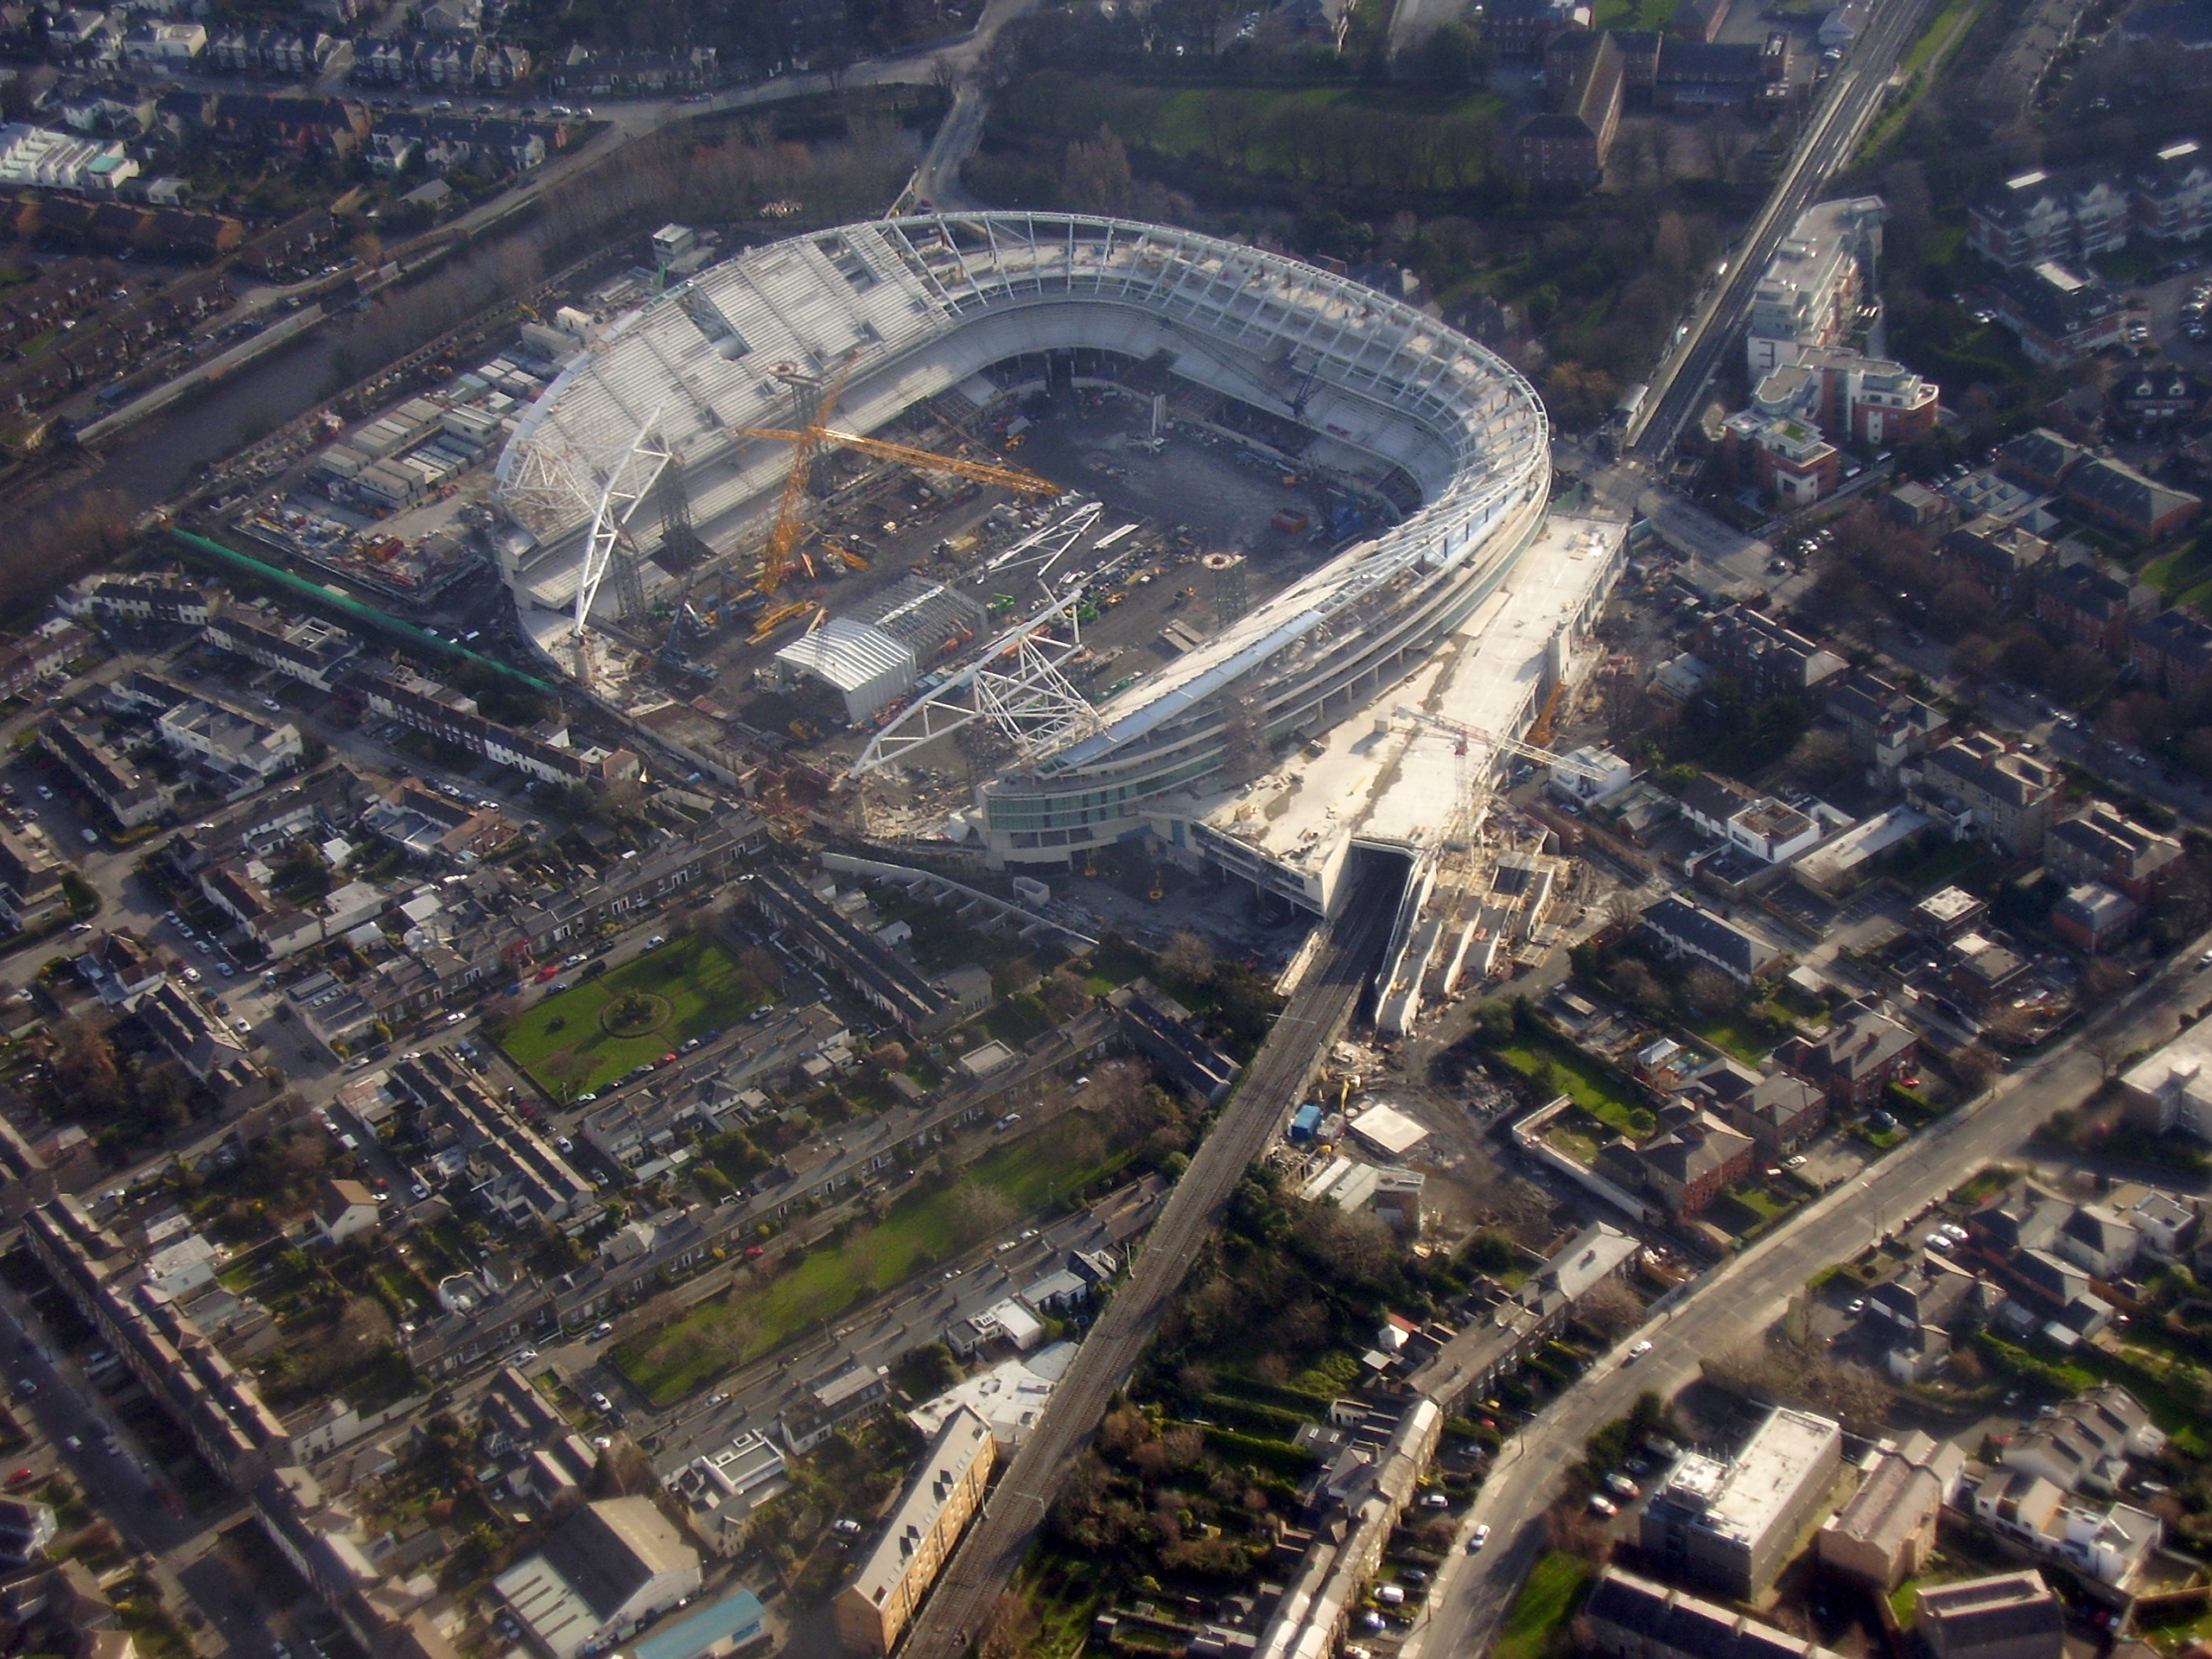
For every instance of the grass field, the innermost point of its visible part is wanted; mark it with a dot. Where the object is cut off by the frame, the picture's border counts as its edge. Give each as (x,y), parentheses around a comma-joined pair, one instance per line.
(1554,1066)
(1538,1618)
(920,1229)
(560,1042)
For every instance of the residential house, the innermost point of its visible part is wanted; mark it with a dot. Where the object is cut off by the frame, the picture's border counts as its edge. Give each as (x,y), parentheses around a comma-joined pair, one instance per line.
(1686,1166)
(1683,928)
(2173,654)
(343,1208)
(2091,918)
(30,878)
(2102,843)
(2058,315)
(2086,606)
(2009,1616)
(1978,783)
(1886,1534)
(2000,557)
(130,796)
(2084,1444)
(1780,1113)
(873,1610)
(1769,659)
(1860,1053)
(1915,1314)
(1888,726)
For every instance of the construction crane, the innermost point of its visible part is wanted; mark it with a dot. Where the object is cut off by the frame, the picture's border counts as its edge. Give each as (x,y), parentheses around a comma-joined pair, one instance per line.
(807,443)
(776,618)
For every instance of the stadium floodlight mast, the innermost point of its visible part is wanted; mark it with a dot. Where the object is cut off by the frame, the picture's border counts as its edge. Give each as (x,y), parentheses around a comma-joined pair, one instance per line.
(1015,681)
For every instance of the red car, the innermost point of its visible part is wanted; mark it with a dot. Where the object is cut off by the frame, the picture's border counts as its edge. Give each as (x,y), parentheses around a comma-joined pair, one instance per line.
(665,1059)
(545,973)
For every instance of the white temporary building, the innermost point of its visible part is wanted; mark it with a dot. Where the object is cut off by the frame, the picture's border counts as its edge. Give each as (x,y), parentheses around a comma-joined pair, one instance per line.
(856,659)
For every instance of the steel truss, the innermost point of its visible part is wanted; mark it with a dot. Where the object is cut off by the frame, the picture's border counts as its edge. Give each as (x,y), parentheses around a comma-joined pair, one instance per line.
(630,481)
(1016,682)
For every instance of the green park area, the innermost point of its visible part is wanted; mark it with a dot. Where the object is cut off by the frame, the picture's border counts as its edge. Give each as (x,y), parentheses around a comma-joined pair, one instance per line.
(586,1036)
(937,1220)
(1536,1625)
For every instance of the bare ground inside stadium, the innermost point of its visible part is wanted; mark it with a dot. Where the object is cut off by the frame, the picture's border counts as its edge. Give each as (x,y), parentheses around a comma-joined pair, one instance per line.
(1215,491)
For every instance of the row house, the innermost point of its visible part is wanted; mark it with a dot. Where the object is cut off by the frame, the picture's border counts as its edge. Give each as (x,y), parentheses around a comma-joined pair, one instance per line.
(271,51)
(31,894)
(2084,606)
(333,126)
(2172,652)
(2102,843)
(116,107)
(543,752)
(162,45)
(635,74)
(129,796)
(2116,498)
(64,291)
(1975,784)
(2000,557)
(285,249)
(156,598)
(1887,725)
(454,141)
(2033,217)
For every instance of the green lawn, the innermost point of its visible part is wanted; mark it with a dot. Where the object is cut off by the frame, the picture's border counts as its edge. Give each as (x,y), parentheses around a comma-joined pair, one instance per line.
(1539,1616)
(1738,1037)
(1554,1065)
(922,1229)
(560,1042)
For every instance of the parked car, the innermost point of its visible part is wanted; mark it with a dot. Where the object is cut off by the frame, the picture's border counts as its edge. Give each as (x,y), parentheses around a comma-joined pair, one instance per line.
(1478,1538)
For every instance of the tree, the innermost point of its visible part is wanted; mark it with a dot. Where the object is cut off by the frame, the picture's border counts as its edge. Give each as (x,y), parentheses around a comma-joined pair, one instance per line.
(84,1068)
(1451,60)
(979,1211)
(1610,1309)
(1976,1068)
(1708,990)
(1188,957)
(888,1056)
(1013,1630)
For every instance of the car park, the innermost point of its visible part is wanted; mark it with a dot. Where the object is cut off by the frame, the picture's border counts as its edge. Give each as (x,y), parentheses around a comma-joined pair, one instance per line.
(1602,1506)
(1622,1486)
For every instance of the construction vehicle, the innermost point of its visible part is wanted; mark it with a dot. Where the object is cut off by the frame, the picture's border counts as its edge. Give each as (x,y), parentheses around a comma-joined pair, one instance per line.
(807,442)
(851,560)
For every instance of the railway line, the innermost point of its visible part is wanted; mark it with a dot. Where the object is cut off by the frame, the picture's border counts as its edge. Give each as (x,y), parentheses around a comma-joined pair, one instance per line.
(960,1606)
(1838,120)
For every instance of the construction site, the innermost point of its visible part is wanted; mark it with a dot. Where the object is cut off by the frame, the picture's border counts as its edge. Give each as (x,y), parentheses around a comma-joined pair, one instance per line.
(1035,539)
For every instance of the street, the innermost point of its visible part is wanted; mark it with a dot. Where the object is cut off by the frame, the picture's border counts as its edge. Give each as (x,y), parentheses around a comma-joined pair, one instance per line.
(1735,1304)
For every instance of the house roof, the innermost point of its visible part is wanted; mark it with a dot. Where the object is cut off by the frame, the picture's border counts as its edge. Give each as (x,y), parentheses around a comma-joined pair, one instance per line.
(2115,488)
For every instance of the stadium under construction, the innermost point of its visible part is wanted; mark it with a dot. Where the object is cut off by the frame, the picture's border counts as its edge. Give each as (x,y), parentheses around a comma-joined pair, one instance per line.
(1352,686)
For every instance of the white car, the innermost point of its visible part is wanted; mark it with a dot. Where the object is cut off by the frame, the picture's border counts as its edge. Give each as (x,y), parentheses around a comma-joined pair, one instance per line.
(1637,1353)
(1478,1538)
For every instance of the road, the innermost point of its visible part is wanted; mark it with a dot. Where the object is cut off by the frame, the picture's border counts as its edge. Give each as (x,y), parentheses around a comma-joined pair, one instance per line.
(1854,94)
(1738,1302)
(957,1610)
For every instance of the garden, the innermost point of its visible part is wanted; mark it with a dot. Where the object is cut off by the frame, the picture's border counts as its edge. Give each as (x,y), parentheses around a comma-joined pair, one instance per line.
(592,1033)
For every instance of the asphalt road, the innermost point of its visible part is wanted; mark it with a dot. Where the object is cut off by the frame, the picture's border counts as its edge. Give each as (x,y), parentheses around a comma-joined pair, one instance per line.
(957,1609)
(1854,95)
(1739,1301)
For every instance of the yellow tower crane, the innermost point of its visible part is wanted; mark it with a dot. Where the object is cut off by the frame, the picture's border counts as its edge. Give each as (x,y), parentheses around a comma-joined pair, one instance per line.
(807,442)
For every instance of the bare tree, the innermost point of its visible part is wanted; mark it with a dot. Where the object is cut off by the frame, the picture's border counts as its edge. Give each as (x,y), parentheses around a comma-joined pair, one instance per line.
(1610,1309)
(1188,956)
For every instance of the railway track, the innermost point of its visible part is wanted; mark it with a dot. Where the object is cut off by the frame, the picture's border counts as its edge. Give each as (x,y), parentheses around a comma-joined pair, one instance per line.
(960,1606)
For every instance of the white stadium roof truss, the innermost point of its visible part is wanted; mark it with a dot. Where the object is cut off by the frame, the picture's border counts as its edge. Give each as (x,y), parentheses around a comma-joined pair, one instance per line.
(1017,682)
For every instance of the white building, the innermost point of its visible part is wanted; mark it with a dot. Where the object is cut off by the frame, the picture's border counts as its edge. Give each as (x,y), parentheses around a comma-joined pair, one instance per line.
(603,1573)
(1810,293)
(1010,1396)
(61,160)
